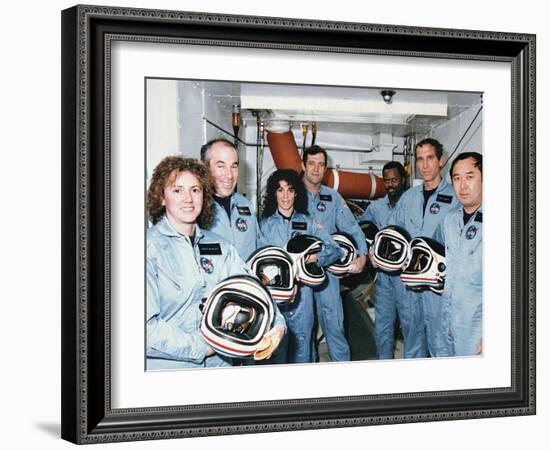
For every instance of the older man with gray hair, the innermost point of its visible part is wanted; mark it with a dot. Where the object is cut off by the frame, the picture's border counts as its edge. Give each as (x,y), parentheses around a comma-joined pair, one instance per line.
(234,217)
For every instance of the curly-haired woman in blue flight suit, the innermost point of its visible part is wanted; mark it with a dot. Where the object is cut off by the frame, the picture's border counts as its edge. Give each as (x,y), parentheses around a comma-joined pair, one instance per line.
(184,262)
(284,216)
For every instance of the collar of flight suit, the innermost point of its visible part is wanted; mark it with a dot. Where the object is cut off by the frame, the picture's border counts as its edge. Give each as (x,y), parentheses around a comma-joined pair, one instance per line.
(294,216)
(474,216)
(165,227)
(442,185)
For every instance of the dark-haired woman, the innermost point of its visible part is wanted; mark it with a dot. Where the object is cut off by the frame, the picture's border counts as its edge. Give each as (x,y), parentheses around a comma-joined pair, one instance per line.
(184,262)
(285,216)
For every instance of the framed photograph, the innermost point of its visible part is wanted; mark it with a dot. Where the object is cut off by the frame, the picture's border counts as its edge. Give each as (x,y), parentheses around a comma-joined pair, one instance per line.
(132,77)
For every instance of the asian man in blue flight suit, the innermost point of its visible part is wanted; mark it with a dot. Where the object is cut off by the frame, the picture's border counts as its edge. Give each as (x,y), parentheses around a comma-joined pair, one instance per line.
(389,288)
(461,231)
(420,210)
(330,213)
(234,217)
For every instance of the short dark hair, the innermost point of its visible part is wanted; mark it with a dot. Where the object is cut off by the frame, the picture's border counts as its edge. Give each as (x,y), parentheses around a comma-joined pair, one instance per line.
(314,150)
(206,147)
(434,143)
(478,160)
(394,165)
(294,180)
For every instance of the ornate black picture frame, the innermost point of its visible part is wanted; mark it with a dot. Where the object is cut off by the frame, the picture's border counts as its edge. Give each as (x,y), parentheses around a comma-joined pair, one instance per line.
(87,35)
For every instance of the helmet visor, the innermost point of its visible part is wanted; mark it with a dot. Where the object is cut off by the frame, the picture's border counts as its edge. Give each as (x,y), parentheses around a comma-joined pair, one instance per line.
(391,250)
(420,262)
(237,316)
(274,273)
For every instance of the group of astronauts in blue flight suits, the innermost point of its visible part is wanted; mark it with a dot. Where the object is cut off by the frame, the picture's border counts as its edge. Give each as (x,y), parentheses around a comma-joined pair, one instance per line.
(434,324)
(203,232)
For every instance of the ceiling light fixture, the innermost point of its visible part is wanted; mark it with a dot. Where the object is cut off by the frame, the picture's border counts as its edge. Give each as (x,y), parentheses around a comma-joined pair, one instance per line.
(387,95)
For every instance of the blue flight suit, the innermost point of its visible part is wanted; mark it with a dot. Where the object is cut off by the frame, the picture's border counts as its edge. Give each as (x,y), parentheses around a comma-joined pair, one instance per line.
(331,213)
(297,345)
(389,290)
(463,292)
(241,229)
(424,307)
(179,276)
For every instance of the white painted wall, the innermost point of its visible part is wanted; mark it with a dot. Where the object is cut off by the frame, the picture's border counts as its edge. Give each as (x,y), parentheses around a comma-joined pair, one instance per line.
(162,121)
(451,132)
(191,130)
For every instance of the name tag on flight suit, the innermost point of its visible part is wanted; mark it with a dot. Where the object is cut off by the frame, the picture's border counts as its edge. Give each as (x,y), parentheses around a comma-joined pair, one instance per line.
(244,210)
(444,198)
(299,226)
(210,249)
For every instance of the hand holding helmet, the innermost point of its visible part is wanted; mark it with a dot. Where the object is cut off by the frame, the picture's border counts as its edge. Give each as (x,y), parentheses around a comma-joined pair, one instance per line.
(269,343)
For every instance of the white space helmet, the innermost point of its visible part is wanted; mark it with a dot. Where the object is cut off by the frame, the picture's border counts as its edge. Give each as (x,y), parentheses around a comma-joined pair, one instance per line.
(369,229)
(341,267)
(391,248)
(275,269)
(236,315)
(299,247)
(425,265)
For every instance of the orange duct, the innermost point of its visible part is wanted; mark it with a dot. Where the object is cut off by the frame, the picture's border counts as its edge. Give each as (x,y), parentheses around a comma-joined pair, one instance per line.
(349,184)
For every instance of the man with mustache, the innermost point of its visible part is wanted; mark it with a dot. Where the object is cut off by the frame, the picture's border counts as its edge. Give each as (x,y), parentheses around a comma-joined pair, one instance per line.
(389,289)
